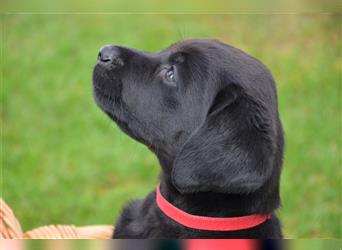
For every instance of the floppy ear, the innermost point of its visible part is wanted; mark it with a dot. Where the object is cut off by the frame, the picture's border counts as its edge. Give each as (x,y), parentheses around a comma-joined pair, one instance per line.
(232,151)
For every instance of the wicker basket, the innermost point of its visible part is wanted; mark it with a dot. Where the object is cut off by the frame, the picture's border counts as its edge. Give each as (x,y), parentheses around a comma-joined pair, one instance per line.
(10,229)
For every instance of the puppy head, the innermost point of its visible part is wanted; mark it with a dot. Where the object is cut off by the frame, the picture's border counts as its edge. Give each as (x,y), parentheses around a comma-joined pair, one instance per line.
(207,108)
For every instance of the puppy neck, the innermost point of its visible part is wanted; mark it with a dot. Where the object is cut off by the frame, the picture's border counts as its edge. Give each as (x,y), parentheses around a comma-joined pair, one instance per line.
(214,204)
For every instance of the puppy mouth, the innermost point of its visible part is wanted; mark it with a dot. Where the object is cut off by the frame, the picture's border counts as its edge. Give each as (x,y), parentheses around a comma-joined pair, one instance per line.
(106,98)
(109,100)
(107,89)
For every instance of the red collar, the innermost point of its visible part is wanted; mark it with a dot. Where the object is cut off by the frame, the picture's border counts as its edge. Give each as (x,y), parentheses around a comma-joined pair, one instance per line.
(208,223)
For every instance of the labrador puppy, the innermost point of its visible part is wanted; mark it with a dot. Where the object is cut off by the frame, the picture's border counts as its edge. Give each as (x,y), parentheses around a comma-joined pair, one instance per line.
(208,111)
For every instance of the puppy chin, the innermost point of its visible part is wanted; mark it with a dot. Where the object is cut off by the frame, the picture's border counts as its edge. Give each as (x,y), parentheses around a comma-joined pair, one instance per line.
(105,102)
(110,105)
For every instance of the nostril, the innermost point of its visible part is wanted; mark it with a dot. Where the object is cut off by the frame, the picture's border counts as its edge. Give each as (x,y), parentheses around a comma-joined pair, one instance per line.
(108,53)
(103,58)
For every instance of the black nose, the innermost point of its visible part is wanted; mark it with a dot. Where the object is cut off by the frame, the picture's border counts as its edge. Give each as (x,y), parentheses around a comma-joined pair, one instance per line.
(108,53)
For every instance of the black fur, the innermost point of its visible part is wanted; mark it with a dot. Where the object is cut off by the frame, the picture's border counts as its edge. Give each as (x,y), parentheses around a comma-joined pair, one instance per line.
(214,128)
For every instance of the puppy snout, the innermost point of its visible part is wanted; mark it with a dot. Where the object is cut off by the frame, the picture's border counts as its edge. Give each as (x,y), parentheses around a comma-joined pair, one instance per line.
(108,54)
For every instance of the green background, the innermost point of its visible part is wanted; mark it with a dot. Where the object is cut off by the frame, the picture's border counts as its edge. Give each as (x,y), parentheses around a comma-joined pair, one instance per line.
(64,162)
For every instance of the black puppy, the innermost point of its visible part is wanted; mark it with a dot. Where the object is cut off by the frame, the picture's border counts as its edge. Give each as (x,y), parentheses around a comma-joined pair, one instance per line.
(209,113)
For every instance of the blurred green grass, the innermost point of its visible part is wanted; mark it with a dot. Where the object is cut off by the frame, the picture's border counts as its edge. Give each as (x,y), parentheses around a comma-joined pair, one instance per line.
(65,162)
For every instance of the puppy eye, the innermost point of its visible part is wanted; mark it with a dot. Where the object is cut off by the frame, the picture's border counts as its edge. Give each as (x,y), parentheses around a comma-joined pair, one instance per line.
(170,74)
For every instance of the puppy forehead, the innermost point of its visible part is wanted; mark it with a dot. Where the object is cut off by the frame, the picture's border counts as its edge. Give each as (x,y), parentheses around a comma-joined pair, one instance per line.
(191,46)
(196,43)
